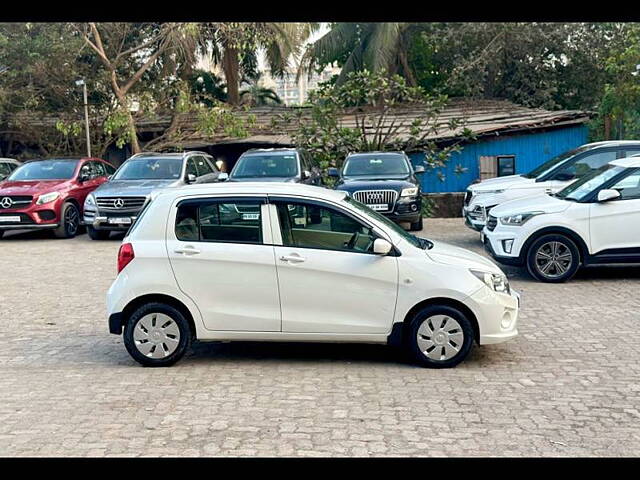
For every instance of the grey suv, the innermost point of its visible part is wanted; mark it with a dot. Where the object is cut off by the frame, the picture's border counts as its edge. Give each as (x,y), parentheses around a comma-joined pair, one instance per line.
(292,165)
(7,165)
(115,205)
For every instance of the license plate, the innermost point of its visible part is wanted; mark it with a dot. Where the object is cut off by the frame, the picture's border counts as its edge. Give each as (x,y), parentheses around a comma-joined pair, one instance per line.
(120,220)
(10,219)
(379,206)
(250,216)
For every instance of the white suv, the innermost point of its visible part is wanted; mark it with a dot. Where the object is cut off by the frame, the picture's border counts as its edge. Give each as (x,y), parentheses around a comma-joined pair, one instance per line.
(286,262)
(595,220)
(550,177)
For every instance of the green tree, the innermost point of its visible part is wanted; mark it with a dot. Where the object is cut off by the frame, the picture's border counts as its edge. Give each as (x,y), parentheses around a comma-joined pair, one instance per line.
(234,46)
(356,47)
(257,96)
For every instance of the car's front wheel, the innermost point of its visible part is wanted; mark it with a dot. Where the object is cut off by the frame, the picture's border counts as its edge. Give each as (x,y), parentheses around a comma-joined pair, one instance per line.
(95,234)
(69,221)
(157,335)
(553,258)
(417,226)
(440,336)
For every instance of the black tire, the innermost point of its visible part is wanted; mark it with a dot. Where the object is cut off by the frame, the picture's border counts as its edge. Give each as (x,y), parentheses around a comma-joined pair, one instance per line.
(184,340)
(545,245)
(449,336)
(416,226)
(97,234)
(69,221)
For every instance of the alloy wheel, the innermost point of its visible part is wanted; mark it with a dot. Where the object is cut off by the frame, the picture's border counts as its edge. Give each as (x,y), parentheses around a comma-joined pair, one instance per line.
(440,337)
(156,335)
(72,220)
(553,259)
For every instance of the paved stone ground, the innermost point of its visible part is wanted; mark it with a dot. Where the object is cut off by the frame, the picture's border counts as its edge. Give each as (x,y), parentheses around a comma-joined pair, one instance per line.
(568,385)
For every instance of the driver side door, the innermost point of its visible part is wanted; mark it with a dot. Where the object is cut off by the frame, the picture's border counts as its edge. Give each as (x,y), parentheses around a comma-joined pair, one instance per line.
(329,279)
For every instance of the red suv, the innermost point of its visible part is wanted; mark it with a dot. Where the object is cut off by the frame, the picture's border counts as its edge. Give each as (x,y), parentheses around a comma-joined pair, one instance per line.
(49,194)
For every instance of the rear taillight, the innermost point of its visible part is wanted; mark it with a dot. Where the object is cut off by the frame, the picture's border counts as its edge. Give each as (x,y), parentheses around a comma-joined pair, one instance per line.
(125,255)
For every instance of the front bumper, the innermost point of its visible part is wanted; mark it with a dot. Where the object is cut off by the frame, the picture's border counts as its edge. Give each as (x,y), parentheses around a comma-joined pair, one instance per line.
(475,216)
(34,217)
(497,315)
(103,221)
(497,241)
(405,210)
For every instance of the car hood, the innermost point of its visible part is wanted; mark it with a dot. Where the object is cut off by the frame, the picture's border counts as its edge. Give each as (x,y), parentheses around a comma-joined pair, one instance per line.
(33,187)
(353,184)
(502,183)
(264,179)
(132,187)
(538,203)
(449,255)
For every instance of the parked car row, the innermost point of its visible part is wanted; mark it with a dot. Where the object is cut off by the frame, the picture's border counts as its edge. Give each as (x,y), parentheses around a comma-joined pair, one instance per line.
(65,194)
(579,209)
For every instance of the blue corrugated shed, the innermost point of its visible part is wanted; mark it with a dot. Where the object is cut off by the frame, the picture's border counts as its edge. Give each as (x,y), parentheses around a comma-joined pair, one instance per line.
(530,150)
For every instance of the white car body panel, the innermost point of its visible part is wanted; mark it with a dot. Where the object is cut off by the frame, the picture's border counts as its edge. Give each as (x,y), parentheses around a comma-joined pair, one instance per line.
(336,296)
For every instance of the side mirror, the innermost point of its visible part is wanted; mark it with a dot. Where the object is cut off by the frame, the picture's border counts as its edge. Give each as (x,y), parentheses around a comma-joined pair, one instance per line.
(418,169)
(83,177)
(223,177)
(191,178)
(381,246)
(305,174)
(607,195)
(333,172)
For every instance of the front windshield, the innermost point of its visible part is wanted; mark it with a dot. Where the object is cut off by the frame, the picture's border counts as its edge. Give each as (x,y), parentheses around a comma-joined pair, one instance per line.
(266,165)
(45,170)
(412,239)
(580,189)
(555,161)
(150,168)
(373,165)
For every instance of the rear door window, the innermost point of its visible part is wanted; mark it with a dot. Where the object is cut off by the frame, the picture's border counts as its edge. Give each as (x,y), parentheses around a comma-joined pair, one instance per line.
(232,221)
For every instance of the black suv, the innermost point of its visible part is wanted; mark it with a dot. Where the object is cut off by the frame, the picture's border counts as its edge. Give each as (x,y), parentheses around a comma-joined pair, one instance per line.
(384,181)
(275,165)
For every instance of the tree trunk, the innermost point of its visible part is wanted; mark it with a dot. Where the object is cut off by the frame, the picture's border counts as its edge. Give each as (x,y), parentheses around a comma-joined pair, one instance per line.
(122,100)
(607,127)
(231,67)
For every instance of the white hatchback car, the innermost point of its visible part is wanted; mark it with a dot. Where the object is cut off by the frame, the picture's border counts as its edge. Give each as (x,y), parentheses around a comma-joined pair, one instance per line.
(594,221)
(283,262)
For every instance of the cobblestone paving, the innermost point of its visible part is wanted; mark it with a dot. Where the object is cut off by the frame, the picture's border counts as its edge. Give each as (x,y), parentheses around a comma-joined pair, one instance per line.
(568,385)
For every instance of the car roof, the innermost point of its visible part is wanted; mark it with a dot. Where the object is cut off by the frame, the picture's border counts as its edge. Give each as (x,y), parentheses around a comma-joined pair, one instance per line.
(255,188)
(269,150)
(10,160)
(612,143)
(375,152)
(629,162)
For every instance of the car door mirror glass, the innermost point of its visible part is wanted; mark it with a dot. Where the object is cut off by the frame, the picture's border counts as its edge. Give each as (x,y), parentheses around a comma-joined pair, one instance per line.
(191,178)
(607,195)
(223,177)
(333,172)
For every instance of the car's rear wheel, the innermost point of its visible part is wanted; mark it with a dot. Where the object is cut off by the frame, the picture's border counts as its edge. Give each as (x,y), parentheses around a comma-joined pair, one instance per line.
(95,234)
(553,258)
(440,336)
(69,221)
(157,335)
(417,226)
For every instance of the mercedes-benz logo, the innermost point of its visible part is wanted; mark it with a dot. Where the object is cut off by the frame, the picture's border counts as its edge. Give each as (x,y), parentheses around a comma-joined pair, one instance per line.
(118,203)
(6,202)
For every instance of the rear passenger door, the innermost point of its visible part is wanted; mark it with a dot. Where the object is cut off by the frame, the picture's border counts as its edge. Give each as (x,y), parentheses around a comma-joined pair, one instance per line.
(222,258)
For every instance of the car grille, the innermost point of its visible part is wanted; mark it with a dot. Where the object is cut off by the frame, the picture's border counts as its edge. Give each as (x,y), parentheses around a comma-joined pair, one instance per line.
(14,201)
(467,197)
(377,197)
(492,223)
(119,204)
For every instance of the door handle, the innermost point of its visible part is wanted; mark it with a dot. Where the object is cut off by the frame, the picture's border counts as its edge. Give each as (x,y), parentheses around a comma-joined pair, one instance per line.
(187,251)
(292,258)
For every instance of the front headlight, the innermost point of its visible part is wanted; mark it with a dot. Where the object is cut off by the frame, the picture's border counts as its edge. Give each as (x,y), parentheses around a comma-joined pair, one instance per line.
(47,197)
(409,192)
(496,282)
(518,219)
(90,201)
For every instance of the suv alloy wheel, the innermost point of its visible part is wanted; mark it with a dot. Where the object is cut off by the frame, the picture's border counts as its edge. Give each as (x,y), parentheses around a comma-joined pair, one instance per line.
(440,337)
(69,221)
(553,258)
